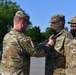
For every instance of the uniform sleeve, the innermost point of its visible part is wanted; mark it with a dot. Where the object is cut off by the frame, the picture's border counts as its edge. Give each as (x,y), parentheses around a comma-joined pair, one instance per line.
(28,47)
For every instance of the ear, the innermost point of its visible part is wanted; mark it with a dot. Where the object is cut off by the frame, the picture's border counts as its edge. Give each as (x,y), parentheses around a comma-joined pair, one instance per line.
(21,22)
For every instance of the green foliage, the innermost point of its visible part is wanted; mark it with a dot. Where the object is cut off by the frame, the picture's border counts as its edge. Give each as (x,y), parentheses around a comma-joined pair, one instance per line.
(35,34)
(43,37)
(48,32)
(7,11)
(66,28)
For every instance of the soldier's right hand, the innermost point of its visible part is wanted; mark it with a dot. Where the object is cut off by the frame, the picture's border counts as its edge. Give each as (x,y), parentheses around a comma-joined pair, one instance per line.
(51,42)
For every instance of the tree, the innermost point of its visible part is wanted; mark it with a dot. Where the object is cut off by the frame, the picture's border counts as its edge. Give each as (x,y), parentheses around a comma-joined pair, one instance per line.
(43,37)
(7,11)
(35,34)
(48,32)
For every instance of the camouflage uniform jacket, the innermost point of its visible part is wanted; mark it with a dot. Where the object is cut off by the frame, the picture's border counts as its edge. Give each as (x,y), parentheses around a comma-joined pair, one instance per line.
(17,49)
(71,58)
(55,61)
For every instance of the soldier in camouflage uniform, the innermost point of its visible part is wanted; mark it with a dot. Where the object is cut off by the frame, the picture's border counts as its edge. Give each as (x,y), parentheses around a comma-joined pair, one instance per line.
(17,48)
(71,50)
(55,60)
(73,26)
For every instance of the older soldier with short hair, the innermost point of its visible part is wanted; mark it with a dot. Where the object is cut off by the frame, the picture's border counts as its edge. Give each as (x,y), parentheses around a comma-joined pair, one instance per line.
(56,60)
(71,50)
(17,48)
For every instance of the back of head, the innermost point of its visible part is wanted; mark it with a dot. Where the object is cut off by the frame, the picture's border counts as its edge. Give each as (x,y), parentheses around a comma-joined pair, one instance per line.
(73,20)
(22,15)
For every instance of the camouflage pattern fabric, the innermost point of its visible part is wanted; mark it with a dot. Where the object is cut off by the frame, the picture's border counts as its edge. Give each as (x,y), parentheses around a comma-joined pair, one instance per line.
(71,58)
(57,17)
(73,20)
(55,60)
(17,49)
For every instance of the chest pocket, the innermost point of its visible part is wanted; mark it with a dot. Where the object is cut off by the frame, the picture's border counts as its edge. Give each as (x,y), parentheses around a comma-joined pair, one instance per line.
(59,45)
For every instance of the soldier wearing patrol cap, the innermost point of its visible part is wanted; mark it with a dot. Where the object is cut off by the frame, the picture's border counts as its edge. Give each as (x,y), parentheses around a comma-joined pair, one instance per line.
(17,48)
(55,61)
(57,22)
(71,50)
(73,26)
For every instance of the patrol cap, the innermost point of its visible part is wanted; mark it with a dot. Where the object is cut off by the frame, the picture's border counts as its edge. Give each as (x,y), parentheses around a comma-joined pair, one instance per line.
(57,18)
(23,15)
(73,20)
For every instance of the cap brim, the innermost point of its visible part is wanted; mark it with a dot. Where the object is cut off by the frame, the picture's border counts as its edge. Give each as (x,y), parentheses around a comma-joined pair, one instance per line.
(29,22)
(52,21)
(69,22)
